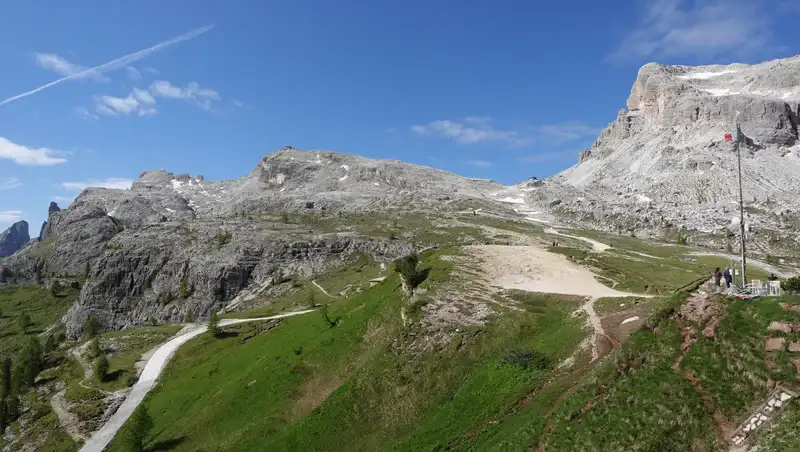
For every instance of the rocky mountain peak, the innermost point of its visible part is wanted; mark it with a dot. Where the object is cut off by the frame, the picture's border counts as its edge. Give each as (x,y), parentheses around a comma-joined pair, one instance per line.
(664,160)
(14,238)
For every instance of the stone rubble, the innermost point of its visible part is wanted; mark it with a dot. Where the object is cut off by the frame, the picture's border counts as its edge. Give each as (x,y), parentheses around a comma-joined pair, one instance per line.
(762,415)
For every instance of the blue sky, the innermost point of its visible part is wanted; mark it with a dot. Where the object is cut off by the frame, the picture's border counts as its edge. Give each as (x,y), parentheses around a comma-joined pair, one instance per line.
(501,89)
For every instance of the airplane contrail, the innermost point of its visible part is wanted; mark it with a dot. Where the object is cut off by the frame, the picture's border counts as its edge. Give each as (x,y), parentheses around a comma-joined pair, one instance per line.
(114,64)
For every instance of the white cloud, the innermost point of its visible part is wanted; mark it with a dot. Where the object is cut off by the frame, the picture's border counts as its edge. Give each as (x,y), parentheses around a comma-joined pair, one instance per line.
(113,65)
(119,105)
(10,216)
(568,131)
(23,155)
(133,73)
(479,163)
(62,66)
(202,97)
(144,96)
(63,199)
(471,130)
(139,102)
(699,28)
(84,113)
(9,183)
(112,182)
(143,102)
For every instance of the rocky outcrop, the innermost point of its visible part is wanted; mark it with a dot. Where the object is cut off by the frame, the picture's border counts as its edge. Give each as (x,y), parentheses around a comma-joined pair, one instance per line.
(175,247)
(154,277)
(663,163)
(14,238)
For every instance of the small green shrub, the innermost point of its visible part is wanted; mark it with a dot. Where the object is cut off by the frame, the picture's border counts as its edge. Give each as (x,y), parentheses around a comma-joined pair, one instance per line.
(183,290)
(327,317)
(101,367)
(94,349)
(90,327)
(55,288)
(222,239)
(792,284)
(23,322)
(213,324)
(407,267)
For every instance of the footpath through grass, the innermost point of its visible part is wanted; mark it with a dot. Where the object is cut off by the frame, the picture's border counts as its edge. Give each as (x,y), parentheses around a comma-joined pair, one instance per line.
(629,272)
(300,384)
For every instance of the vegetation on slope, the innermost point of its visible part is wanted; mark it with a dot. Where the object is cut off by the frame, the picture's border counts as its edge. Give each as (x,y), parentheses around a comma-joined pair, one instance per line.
(353,386)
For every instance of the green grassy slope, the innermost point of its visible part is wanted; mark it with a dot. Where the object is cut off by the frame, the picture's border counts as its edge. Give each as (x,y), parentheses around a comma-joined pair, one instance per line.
(354,387)
(44,309)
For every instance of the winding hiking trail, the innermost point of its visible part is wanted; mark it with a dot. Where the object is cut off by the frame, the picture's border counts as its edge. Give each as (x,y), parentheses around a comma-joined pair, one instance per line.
(534,269)
(597,246)
(101,438)
(750,261)
(322,289)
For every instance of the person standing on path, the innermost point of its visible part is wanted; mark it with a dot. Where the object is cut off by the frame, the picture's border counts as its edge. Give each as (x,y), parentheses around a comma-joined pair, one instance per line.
(728,277)
(717,276)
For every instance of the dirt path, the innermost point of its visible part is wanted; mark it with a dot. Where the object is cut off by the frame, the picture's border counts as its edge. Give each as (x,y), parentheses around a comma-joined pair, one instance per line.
(750,261)
(597,326)
(48,330)
(101,438)
(596,246)
(534,269)
(322,289)
(68,421)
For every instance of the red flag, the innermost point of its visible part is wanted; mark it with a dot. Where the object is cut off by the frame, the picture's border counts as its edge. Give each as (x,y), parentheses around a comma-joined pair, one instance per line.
(728,137)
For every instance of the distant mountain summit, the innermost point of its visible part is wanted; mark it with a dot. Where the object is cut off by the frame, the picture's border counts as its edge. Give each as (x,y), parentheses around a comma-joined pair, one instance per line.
(14,238)
(664,162)
(175,247)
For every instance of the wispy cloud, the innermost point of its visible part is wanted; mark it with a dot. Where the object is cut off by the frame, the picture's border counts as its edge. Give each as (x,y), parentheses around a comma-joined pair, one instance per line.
(115,64)
(62,66)
(10,216)
(63,199)
(568,131)
(472,130)
(9,183)
(133,73)
(84,113)
(139,102)
(479,163)
(202,97)
(699,28)
(143,102)
(112,182)
(23,155)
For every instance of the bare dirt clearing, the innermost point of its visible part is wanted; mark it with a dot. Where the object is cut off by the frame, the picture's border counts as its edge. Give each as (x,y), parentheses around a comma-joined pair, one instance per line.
(533,269)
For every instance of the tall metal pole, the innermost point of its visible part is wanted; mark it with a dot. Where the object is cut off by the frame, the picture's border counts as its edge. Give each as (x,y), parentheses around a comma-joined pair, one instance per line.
(741,203)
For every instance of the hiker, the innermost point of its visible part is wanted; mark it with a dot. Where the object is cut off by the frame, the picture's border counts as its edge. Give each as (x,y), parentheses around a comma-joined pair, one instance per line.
(772,277)
(728,277)
(717,276)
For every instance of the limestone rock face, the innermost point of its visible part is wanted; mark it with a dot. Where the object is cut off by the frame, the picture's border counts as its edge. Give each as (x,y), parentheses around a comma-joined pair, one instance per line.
(664,162)
(134,250)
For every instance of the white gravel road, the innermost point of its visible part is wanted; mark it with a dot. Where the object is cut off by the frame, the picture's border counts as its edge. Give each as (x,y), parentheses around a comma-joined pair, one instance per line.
(101,438)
